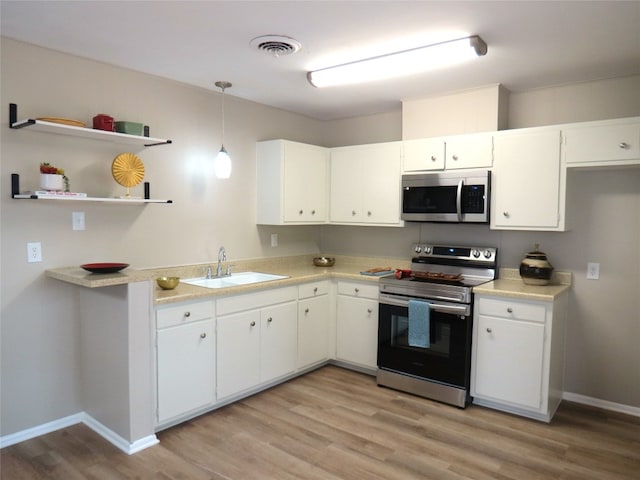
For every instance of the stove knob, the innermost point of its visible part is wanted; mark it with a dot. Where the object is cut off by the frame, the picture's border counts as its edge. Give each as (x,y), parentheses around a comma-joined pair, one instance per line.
(427,249)
(487,254)
(476,253)
(418,249)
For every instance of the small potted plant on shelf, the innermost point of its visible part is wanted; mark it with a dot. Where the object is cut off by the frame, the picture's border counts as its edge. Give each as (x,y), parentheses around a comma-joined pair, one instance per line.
(53,178)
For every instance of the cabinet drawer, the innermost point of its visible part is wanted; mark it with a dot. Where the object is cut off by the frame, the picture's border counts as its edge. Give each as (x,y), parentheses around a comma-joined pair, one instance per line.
(356,289)
(183,313)
(514,309)
(584,145)
(251,301)
(315,289)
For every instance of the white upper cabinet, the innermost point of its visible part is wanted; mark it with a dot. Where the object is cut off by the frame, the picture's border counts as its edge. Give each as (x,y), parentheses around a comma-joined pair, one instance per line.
(423,155)
(608,143)
(451,153)
(292,182)
(528,183)
(469,151)
(365,184)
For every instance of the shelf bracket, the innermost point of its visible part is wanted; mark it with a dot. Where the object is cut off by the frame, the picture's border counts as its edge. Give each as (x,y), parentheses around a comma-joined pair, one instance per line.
(13,118)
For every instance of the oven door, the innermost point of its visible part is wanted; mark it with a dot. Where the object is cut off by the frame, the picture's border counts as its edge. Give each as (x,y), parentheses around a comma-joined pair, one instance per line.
(447,359)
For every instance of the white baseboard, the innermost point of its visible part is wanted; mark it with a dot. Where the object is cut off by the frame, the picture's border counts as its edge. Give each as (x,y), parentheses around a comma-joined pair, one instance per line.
(43,429)
(89,421)
(604,404)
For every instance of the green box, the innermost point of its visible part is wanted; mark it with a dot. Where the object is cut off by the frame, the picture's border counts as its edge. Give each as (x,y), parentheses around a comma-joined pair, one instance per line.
(131,128)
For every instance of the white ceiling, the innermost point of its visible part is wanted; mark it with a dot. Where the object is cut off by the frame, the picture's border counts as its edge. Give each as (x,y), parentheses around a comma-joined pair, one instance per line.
(531,43)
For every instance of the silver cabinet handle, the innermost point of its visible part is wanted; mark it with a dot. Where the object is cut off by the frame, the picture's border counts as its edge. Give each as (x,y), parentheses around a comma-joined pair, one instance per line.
(623,145)
(505,214)
(369,310)
(489,330)
(315,290)
(253,324)
(369,213)
(306,311)
(300,212)
(353,212)
(510,310)
(357,290)
(203,335)
(187,314)
(269,320)
(433,158)
(455,157)
(313,212)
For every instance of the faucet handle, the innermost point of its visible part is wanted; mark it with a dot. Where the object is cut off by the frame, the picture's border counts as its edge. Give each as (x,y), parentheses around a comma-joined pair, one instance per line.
(208,272)
(229,265)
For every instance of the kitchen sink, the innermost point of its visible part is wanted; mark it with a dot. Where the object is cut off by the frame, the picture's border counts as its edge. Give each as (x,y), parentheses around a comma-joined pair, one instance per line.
(233,280)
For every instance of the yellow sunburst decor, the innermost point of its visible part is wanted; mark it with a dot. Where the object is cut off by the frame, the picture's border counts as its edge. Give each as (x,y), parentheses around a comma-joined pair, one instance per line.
(128,170)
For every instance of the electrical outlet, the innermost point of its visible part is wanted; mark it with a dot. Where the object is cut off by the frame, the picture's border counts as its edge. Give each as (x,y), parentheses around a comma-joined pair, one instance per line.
(274,239)
(593,271)
(34,252)
(77,220)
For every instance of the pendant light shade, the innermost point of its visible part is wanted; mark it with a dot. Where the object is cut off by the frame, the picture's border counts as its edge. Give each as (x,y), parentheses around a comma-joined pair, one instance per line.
(222,163)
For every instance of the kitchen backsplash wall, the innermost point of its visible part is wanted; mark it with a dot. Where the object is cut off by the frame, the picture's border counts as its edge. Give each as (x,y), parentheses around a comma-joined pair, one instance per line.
(39,329)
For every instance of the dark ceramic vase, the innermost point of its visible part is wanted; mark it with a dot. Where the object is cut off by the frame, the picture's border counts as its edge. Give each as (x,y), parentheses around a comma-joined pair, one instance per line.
(535,268)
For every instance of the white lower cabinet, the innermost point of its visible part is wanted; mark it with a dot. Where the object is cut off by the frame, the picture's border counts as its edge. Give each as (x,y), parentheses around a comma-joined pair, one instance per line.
(256,339)
(518,355)
(313,323)
(185,359)
(357,323)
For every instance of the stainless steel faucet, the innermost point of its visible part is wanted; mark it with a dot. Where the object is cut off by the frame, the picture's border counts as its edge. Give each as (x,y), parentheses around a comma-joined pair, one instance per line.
(222,257)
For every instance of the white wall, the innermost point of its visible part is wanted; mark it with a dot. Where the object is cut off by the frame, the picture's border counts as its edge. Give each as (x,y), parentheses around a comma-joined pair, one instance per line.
(40,324)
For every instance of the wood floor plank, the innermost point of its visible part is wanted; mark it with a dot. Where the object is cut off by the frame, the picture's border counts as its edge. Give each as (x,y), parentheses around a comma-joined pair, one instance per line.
(336,424)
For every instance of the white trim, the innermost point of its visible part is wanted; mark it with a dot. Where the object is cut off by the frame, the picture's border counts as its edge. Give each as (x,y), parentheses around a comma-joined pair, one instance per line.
(117,440)
(39,430)
(604,404)
(89,421)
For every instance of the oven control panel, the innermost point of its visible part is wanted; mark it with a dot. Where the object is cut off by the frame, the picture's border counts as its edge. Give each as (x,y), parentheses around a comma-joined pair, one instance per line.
(475,254)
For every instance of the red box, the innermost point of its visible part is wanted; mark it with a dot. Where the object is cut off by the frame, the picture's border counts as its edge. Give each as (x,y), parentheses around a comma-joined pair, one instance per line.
(103,122)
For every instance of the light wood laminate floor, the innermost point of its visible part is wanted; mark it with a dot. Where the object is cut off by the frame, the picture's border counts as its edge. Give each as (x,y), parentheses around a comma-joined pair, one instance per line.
(337,424)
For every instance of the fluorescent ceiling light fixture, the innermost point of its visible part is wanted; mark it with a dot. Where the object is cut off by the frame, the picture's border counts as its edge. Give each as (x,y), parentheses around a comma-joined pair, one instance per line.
(400,64)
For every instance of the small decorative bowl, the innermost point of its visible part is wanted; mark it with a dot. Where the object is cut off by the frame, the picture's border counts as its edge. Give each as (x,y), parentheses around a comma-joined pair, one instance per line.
(324,261)
(168,283)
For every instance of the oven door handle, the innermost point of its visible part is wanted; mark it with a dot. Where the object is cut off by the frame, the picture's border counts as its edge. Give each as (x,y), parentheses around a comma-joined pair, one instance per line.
(459,200)
(439,307)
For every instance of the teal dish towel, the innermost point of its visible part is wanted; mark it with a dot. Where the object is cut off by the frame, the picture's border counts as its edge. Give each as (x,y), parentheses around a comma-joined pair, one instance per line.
(419,324)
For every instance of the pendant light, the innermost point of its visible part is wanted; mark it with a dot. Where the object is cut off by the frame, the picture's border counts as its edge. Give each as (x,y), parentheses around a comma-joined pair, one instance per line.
(222,163)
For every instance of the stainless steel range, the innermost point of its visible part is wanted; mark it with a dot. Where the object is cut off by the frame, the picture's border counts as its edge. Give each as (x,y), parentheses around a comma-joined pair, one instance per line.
(425,321)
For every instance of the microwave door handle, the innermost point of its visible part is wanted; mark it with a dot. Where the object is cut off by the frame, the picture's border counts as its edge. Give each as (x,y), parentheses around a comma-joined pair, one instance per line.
(459,200)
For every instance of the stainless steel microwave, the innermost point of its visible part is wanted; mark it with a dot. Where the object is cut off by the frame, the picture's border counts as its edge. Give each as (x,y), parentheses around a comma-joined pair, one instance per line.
(460,196)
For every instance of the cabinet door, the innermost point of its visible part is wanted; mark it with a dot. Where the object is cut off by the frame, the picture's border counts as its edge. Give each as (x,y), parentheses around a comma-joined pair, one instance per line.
(238,349)
(186,373)
(357,330)
(509,361)
(423,154)
(347,181)
(527,182)
(381,181)
(313,330)
(305,183)
(469,151)
(607,144)
(278,340)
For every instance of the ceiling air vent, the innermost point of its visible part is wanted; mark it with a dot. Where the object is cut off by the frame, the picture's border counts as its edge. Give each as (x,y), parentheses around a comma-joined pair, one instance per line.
(276,45)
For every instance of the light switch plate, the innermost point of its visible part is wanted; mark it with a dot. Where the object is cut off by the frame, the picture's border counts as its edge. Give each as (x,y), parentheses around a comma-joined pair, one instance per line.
(593,271)
(77,220)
